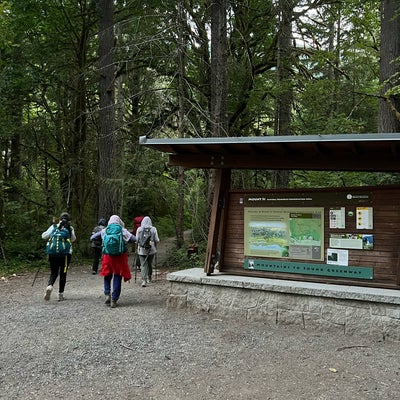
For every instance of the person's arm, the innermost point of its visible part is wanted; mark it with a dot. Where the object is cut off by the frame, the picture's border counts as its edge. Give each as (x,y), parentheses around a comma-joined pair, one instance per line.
(128,237)
(46,234)
(73,236)
(156,238)
(95,235)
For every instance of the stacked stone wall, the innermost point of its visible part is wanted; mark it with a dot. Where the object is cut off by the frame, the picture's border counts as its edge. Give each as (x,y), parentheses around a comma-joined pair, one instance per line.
(315,307)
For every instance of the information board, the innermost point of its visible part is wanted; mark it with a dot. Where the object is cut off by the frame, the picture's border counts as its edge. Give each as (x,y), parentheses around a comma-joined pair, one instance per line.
(289,232)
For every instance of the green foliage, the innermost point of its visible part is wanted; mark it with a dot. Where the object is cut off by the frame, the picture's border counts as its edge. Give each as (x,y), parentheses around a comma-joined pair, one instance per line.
(49,117)
(165,227)
(319,179)
(22,235)
(16,266)
(178,259)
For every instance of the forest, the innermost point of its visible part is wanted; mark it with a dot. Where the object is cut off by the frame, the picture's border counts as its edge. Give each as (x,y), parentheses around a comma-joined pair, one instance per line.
(82,80)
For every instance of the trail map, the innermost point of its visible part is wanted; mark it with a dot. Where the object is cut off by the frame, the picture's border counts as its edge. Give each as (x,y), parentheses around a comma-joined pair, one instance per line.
(293,233)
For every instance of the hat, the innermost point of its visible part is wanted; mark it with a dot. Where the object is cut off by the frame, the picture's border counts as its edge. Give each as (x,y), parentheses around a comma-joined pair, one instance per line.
(66,216)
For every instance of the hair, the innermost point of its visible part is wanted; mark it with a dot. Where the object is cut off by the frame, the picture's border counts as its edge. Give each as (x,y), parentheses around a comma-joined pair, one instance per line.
(65,215)
(65,224)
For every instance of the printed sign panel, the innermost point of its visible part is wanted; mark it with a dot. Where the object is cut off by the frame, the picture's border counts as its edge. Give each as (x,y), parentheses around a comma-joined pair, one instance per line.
(284,232)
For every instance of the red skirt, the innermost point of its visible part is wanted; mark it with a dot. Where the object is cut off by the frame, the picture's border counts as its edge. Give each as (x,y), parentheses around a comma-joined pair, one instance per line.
(117,265)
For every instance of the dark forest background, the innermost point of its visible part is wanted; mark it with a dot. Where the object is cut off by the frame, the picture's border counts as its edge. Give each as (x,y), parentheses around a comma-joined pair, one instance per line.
(81,81)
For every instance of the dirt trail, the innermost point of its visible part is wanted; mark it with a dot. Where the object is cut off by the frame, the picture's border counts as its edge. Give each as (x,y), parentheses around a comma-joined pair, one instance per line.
(82,349)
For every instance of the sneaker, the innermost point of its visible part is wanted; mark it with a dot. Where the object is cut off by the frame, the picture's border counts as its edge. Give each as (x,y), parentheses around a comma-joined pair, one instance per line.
(113,303)
(108,300)
(61,296)
(48,292)
(94,272)
(143,284)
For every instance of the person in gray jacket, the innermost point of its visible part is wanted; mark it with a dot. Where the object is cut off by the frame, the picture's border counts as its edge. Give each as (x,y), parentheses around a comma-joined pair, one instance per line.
(147,251)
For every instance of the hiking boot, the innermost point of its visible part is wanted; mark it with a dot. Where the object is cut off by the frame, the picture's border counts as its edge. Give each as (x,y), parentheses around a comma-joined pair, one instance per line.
(48,292)
(113,303)
(108,299)
(61,296)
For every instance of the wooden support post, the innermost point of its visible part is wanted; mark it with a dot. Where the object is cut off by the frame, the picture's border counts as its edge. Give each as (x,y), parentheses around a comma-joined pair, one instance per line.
(222,185)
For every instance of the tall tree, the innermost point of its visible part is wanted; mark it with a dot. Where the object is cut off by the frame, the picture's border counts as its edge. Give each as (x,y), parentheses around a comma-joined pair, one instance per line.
(284,95)
(110,187)
(389,72)
(181,115)
(218,78)
(218,82)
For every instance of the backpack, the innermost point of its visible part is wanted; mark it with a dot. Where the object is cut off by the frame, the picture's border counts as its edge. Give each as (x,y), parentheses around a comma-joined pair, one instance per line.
(98,241)
(113,241)
(145,238)
(59,243)
(136,223)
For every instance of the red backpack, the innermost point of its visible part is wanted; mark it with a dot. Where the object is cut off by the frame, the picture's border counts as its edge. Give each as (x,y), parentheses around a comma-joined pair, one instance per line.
(136,223)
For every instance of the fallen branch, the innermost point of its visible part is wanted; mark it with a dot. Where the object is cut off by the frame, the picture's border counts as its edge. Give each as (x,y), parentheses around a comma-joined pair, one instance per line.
(349,347)
(127,347)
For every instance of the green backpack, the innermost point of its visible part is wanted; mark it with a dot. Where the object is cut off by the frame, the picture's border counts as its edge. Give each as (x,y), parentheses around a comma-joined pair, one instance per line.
(59,243)
(113,241)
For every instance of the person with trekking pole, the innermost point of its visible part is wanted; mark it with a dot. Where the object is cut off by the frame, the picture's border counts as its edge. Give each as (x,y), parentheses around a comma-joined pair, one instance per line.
(59,249)
(147,239)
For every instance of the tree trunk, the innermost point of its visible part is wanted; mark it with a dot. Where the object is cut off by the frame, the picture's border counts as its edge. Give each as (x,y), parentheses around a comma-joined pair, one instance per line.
(218,84)
(181,121)
(110,193)
(284,98)
(219,79)
(389,104)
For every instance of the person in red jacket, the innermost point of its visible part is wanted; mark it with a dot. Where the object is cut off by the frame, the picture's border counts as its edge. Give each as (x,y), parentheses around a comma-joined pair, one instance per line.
(114,268)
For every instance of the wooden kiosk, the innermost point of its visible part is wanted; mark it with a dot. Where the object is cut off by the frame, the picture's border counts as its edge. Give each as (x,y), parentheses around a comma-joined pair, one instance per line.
(335,236)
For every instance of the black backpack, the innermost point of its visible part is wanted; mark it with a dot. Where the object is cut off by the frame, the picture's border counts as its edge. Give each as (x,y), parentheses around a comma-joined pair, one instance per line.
(98,241)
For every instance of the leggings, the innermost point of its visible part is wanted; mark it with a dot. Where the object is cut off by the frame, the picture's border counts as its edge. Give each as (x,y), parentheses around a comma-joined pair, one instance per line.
(146,263)
(59,266)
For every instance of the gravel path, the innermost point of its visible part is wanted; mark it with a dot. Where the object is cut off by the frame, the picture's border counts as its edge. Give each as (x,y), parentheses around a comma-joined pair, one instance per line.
(82,349)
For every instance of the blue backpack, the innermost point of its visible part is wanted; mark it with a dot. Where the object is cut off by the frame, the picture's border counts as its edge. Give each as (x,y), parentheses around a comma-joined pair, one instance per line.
(59,243)
(113,241)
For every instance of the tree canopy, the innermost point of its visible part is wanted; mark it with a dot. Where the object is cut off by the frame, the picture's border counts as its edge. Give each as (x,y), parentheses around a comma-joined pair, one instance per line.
(82,80)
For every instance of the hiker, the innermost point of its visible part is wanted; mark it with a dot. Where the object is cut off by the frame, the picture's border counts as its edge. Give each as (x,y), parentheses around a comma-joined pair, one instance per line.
(59,250)
(147,239)
(136,224)
(97,245)
(114,263)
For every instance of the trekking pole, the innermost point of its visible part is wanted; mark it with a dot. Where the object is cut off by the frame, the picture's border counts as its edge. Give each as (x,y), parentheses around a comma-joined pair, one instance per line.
(155,265)
(135,259)
(135,266)
(36,275)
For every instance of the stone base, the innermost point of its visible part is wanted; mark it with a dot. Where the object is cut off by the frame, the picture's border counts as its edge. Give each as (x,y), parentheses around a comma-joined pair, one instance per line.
(350,310)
